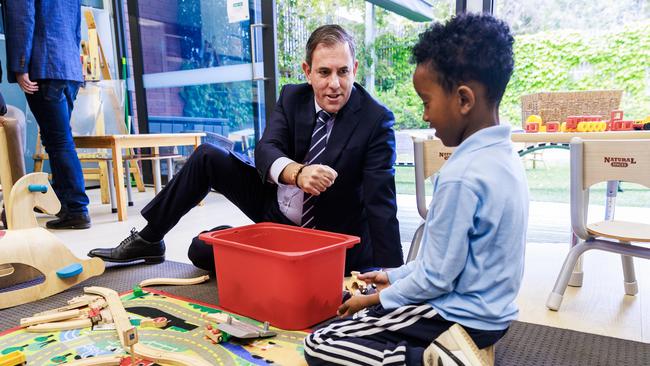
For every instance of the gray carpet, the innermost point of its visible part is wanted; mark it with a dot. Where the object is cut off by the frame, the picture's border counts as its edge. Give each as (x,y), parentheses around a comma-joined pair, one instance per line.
(524,345)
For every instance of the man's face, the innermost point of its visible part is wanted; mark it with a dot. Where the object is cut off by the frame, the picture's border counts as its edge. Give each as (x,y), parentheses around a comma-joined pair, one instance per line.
(441,109)
(331,75)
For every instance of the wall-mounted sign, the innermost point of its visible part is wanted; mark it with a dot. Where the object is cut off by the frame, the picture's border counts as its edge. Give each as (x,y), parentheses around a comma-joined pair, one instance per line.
(237,11)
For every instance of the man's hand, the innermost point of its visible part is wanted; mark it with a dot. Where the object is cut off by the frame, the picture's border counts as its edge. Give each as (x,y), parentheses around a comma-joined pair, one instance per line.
(356,303)
(314,179)
(379,278)
(26,85)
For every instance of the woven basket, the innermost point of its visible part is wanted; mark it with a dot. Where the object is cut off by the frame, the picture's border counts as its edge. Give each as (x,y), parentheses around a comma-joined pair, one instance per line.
(556,106)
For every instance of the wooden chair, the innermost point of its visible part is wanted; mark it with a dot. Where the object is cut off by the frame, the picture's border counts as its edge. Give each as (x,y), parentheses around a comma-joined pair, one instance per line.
(594,162)
(102,172)
(429,156)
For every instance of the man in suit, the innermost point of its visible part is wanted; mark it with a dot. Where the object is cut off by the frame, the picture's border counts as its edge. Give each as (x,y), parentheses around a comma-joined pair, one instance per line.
(42,40)
(325,161)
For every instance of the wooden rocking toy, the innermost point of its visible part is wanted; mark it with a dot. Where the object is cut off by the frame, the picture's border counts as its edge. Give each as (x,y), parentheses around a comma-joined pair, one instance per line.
(28,251)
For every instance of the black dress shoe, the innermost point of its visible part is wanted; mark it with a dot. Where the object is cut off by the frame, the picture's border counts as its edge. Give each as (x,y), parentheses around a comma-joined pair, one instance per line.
(70,221)
(131,249)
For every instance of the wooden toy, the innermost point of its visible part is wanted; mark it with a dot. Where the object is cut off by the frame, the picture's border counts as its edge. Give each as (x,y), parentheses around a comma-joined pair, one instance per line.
(533,123)
(216,317)
(586,123)
(228,326)
(48,318)
(553,126)
(28,251)
(159,322)
(174,281)
(14,358)
(59,326)
(241,330)
(130,337)
(122,324)
(214,335)
(33,251)
(532,127)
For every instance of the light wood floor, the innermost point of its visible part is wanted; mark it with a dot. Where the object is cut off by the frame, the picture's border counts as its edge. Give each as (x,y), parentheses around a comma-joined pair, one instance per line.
(599,306)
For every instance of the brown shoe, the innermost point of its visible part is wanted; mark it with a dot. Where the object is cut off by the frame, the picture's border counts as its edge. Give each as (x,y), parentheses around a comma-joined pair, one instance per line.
(456,348)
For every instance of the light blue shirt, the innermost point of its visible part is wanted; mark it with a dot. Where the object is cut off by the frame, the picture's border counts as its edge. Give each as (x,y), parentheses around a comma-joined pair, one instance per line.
(471,261)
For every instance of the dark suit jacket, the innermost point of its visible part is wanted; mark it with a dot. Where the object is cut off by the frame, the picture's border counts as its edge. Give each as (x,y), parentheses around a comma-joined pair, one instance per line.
(43,38)
(361,148)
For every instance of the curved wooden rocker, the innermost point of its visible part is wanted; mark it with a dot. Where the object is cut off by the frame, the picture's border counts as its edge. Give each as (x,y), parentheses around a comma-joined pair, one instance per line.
(27,249)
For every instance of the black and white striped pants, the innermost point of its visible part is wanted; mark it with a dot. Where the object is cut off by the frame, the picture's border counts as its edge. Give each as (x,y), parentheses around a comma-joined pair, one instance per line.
(376,336)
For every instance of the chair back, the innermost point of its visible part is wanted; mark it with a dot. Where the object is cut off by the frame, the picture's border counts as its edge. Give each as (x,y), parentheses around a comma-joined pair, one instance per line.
(429,156)
(595,161)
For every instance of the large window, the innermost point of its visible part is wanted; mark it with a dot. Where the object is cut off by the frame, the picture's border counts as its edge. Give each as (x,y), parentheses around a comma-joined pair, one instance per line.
(579,45)
(199,72)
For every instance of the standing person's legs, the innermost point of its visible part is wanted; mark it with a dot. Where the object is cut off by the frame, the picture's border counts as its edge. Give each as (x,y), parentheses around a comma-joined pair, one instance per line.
(379,336)
(52,107)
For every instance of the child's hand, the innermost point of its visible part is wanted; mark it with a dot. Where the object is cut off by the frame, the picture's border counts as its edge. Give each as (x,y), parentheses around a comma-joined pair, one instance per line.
(356,303)
(379,278)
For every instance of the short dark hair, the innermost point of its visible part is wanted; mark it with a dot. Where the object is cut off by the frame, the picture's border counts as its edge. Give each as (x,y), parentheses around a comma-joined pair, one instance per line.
(468,47)
(329,35)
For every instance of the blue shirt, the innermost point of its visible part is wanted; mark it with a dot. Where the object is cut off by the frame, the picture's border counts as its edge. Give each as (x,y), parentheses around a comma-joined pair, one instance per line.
(43,38)
(471,261)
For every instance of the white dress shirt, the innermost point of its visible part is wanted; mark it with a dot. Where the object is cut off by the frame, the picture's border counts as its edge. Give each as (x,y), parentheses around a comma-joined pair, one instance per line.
(290,197)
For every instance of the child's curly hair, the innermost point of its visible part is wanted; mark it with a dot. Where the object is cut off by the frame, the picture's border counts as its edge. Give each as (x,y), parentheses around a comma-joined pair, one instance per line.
(468,47)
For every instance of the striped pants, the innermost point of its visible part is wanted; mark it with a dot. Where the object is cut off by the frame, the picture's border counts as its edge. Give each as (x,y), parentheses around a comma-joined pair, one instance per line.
(376,336)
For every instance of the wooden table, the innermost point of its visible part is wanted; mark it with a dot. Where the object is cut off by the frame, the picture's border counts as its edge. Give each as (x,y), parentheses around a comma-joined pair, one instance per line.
(118,142)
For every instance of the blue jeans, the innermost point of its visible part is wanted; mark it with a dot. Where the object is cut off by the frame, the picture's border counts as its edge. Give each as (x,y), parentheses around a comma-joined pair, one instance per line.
(52,106)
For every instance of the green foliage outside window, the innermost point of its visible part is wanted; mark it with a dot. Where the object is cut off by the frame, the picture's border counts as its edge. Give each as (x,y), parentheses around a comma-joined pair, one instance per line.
(565,60)
(560,60)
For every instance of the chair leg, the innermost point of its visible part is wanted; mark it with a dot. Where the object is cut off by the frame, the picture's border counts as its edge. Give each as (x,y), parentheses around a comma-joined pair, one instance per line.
(577,274)
(170,169)
(156,176)
(629,278)
(555,298)
(38,166)
(415,243)
(137,175)
(111,186)
(103,182)
(129,189)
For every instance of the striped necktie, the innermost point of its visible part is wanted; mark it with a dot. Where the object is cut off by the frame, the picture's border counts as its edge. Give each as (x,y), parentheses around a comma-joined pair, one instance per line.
(314,156)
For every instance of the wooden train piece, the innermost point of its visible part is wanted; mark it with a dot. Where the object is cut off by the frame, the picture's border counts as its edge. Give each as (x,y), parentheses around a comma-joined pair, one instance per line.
(64,318)
(159,322)
(140,350)
(174,281)
(214,335)
(588,123)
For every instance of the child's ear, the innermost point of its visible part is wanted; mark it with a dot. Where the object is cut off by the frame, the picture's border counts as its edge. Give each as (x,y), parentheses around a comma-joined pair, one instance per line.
(466,99)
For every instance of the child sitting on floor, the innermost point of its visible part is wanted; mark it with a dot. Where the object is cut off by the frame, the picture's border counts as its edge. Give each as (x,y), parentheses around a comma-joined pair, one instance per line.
(465,279)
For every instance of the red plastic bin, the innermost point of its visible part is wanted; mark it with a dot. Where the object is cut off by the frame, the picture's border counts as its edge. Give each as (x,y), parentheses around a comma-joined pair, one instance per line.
(289,276)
